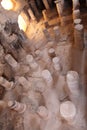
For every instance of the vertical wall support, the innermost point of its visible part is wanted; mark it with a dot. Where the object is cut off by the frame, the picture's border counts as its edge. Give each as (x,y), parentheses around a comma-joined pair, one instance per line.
(59,6)
(73,83)
(76,4)
(79,36)
(46,4)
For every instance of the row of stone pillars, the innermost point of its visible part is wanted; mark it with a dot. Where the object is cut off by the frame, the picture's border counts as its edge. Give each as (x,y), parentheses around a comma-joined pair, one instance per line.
(67,108)
(78,27)
(32,11)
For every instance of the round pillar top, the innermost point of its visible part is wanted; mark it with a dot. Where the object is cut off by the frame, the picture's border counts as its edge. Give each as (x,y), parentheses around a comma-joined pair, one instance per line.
(79,27)
(37,52)
(56,60)
(46,75)
(11,103)
(67,110)
(29,58)
(42,111)
(77,21)
(72,75)
(51,50)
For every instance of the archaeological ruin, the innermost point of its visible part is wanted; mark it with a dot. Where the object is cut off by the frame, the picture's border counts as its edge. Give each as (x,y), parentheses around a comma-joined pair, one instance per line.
(43,68)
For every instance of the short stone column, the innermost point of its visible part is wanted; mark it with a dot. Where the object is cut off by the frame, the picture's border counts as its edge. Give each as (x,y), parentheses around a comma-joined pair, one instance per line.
(34,66)
(6,84)
(31,14)
(77,21)
(12,62)
(42,112)
(19,107)
(31,62)
(79,36)
(44,12)
(24,82)
(76,4)
(45,2)
(76,14)
(59,6)
(72,79)
(46,75)
(68,111)
(56,64)
(51,52)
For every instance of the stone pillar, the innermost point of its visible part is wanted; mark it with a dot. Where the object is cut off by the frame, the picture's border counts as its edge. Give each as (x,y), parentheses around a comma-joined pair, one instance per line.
(56,30)
(72,79)
(12,62)
(31,62)
(76,4)
(24,82)
(42,112)
(44,12)
(76,14)
(47,77)
(46,4)
(51,52)
(56,63)
(40,86)
(34,66)
(79,36)
(59,6)
(34,8)
(77,21)
(19,107)
(68,111)
(6,84)
(31,14)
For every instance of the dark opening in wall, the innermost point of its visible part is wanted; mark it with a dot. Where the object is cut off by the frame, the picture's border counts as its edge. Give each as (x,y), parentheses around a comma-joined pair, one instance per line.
(67,7)
(68,3)
(51,3)
(82,3)
(40,5)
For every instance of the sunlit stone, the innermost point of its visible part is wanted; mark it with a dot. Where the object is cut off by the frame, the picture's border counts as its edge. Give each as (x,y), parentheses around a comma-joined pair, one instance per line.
(7,4)
(22,24)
